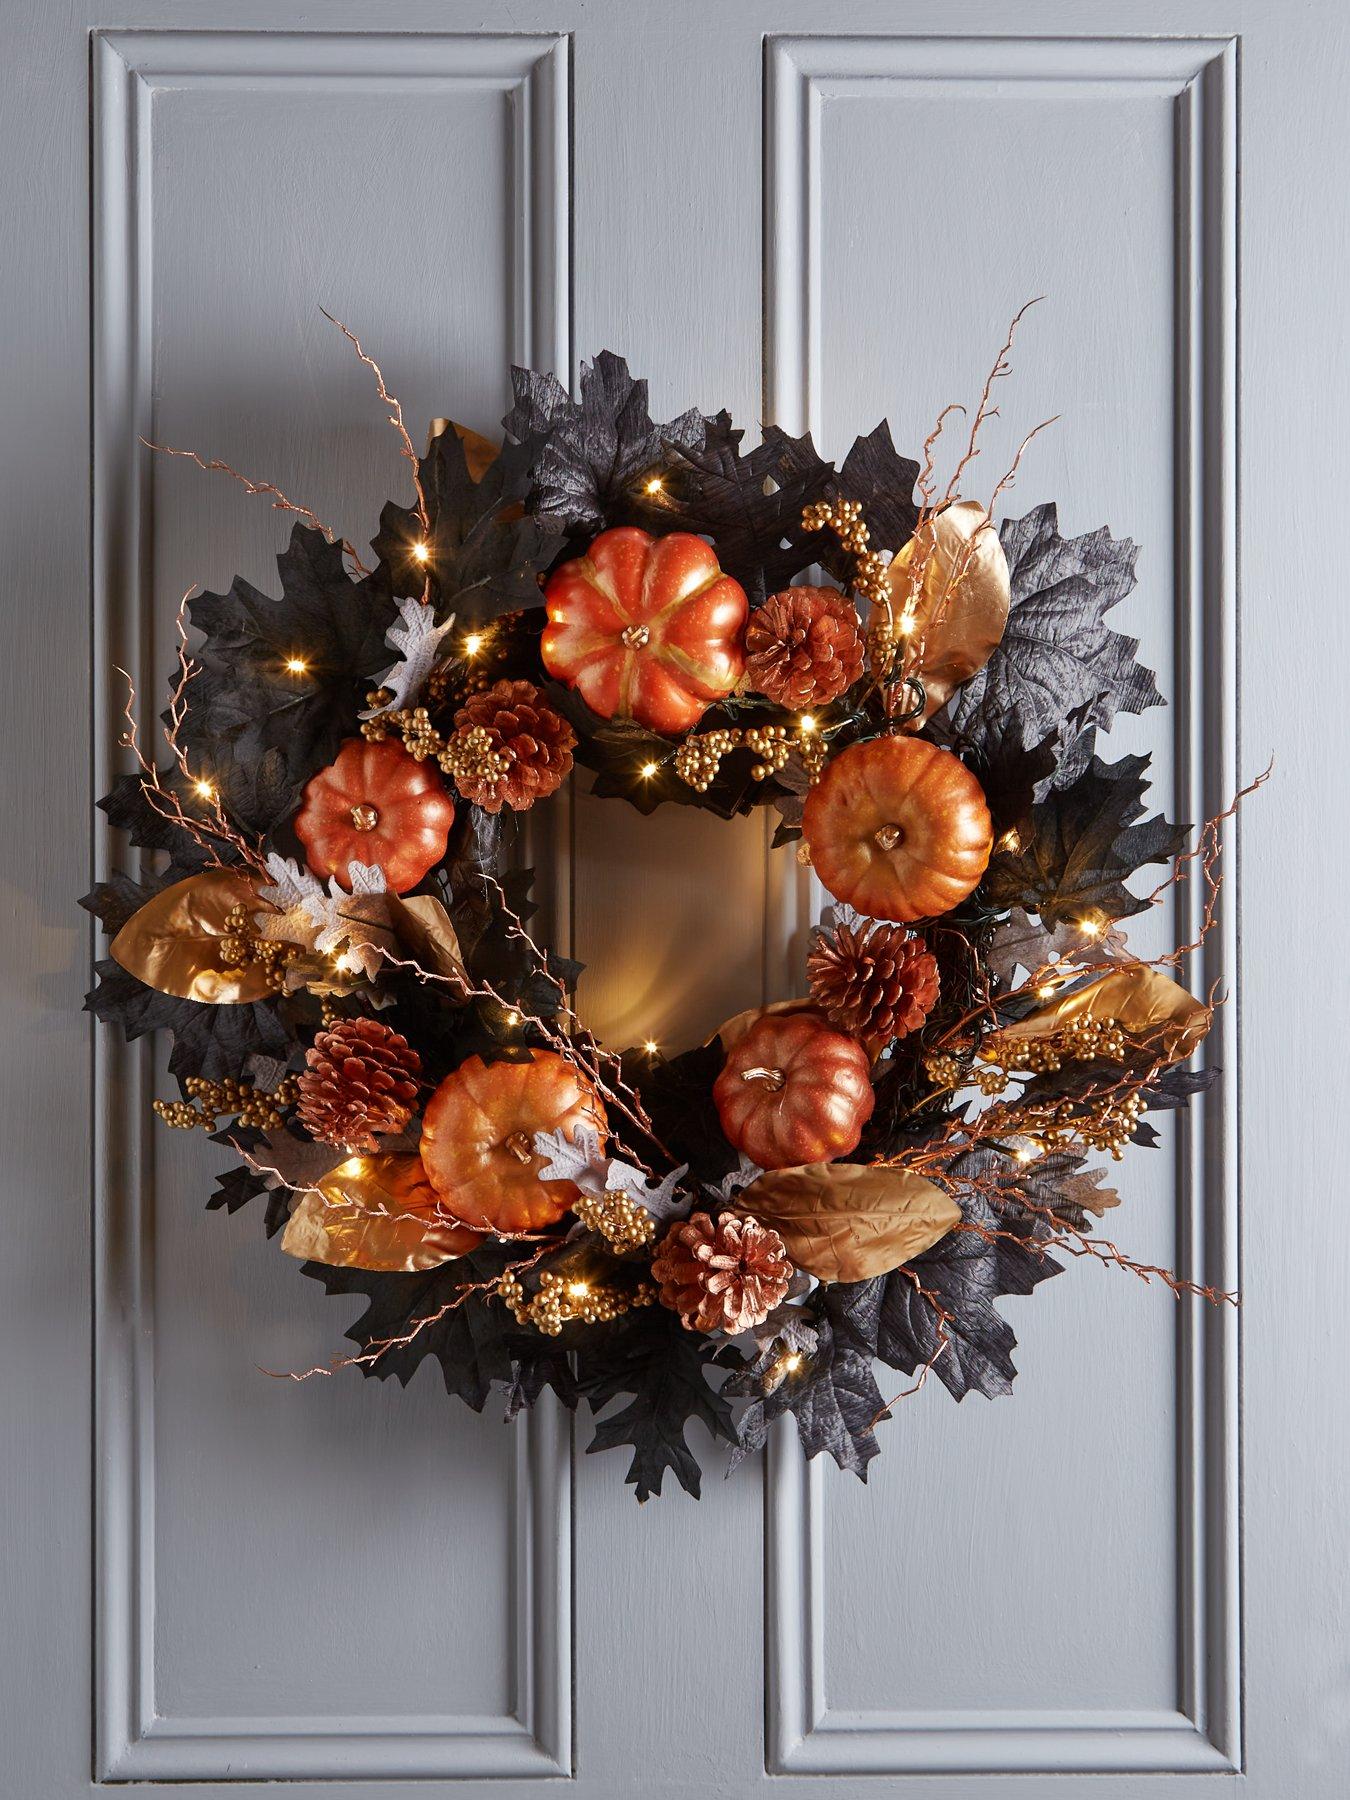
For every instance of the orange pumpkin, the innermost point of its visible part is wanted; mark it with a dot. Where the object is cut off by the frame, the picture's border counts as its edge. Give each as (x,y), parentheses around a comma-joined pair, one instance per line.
(898,828)
(375,804)
(646,628)
(793,1090)
(478,1139)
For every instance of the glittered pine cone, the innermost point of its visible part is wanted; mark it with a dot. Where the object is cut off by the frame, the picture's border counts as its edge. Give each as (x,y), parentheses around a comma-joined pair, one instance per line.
(359,1084)
(803,647)
(721,1275)
(509,747)
(873,981)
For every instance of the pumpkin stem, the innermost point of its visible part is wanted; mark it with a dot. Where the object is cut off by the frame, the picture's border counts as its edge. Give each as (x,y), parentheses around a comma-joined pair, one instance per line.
(635,636)
(365,817)
(886,837)
(773,1079)
(519,1146)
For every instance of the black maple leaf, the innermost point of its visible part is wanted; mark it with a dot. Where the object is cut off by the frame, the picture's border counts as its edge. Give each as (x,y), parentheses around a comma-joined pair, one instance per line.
(875,473)
(833,1396)
(649,1356)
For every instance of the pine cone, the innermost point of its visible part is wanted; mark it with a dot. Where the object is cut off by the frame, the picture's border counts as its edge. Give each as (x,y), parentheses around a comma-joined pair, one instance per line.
(803,647)
(359,1084)
(873,981)
(721,1275)
(522,750)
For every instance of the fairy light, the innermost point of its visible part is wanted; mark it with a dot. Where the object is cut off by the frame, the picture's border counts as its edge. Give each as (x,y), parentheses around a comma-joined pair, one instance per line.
(513,1017)
(1010,841)
(1090,927)
(296,665)
(1046,989)
(203,790)
(651,1046)
(578,1289)
(647,770)
(421,553)
(792,1362)
(473,643)
(1024,1154)
(655,485)
(806,724)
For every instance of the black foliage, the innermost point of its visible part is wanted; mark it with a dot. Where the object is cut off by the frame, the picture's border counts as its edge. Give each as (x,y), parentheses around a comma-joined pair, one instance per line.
(1080,843)
(213,1041)
(834,1396)
(590,457)
(650,1357)
(965,1274)
(1058,656)
(875,473)
(476,1342)
(677,1093)
(487,552)
(129,810)
(244,704)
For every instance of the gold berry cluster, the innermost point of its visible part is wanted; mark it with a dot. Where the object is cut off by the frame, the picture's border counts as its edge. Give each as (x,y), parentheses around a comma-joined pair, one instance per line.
(475,756)
(232,1096)
(242,944)
(621,1221)
(1108,1125)
(845,519)
(413,724)
(562,1299)
(942,1068)
(1083,1040)
(698,758)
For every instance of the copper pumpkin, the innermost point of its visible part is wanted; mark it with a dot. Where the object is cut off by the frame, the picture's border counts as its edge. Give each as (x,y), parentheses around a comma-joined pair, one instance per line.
(646,628)
(478,1139)
(375,804)
(793,1090)
(898,828)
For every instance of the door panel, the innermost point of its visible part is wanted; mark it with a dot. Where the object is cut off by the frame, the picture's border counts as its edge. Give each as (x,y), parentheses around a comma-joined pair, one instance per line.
(813,218)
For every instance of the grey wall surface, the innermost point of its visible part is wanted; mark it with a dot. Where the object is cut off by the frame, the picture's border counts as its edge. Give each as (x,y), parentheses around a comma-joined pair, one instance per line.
(1133,1575)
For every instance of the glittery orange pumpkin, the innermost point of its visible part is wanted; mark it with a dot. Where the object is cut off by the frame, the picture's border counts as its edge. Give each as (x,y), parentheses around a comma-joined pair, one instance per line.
(375,804)
(898,828)
(478,1139)
(646,628)
(793,1090)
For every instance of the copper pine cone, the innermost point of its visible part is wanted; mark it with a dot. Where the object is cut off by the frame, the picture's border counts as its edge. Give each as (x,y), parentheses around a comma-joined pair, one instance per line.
(721,1275)
(873,981)
(360,1084)
(803,647)
(536,741)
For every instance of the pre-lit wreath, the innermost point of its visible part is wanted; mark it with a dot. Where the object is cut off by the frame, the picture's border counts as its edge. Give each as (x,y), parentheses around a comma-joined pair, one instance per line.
(328,920)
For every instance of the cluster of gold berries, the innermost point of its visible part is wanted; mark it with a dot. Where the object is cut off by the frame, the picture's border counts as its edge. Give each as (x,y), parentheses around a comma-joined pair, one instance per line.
(413,724)
(231,1096)
(475,755)
(942,1069)
(1083,1040)
(562,1299)
(845,519)
(241,945)
(699,758)
(622,1222)
(1109,1125)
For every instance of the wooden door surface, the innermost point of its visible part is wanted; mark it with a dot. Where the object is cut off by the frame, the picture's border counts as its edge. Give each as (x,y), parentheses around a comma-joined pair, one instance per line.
(1131,1576)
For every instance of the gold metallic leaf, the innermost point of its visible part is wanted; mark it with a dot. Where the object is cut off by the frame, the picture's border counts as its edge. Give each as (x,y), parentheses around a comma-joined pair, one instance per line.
(1149,1007)
(425,933)
(173,942)
(735,1028)
(375,1212)
(850,1221)
(951,580)
(479,452)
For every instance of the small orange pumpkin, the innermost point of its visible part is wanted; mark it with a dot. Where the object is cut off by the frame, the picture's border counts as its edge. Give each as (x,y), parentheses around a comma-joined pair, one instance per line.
(646,628)
(898,828)
(478,1139)
(375,804)
(793,1090)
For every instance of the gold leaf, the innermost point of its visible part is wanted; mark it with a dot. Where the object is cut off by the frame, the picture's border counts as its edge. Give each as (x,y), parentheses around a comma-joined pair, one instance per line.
(735,1028)
(376,1212)
(479,452)
(850,1221)
(1149,1007)
(424,930)
(174,942)
(951,580)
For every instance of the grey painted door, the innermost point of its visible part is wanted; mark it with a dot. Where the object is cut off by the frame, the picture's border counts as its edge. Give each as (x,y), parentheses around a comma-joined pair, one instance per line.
(1134,1575)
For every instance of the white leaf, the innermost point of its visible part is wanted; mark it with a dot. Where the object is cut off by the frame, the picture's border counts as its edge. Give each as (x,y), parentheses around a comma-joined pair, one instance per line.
(416,640)
(661,1199)
(580,1159)
(740,1177)
(292,884)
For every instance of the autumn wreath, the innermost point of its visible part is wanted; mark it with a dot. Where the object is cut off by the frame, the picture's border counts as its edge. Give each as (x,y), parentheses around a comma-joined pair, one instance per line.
(329,917)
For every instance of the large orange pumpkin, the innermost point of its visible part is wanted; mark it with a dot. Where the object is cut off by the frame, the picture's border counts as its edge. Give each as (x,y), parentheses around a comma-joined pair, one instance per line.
(375,804)
(646,628)
(793,1090)
(478,1139)
(898,828)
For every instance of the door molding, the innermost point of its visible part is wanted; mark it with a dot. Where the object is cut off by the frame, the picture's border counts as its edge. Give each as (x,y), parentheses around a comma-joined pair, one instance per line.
(805,1734)
(133,1741)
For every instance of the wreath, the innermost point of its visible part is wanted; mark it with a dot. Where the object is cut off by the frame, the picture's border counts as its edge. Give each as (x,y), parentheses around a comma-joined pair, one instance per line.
(330,919)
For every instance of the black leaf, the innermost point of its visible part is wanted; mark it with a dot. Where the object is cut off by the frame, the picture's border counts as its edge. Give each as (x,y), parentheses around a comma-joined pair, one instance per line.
(965,1274)
(213,1041)
(650,1356)
(875,473)
(834,1398)
(130,810)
